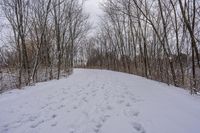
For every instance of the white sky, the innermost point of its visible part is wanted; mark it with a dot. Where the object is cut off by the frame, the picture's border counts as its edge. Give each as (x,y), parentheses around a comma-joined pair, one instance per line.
(93,8)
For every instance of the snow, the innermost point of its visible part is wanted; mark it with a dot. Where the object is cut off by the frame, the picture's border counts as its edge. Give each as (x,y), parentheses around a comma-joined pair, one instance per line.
(99,101)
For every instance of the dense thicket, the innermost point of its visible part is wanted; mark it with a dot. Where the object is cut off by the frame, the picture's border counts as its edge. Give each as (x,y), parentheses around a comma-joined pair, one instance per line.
(157,39)
(44,37)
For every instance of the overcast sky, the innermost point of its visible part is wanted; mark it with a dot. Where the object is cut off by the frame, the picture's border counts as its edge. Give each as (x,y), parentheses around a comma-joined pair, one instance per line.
(93,8)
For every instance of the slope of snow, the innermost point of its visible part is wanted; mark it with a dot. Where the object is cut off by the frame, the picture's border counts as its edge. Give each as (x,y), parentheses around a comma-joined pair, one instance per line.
(99,101)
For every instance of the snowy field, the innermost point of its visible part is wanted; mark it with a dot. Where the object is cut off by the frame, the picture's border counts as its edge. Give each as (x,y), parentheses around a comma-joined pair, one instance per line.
(99,101)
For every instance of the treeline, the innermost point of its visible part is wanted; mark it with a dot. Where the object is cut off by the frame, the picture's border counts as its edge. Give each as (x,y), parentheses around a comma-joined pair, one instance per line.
(156,39)
(44,37)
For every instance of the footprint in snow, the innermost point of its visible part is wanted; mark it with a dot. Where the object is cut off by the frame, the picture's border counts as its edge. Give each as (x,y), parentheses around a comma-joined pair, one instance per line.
(65,92)
(21,107)
(75,107)
(72,129)
(16,124)
(84,99)
(88,85)
(4,130)
(37,124)
(62,99)
(61,106)
(54,116)
(86,114)
(43,107)
(97,128)
(128,105)
(104,118)
(138,127)
(103,87)
(49,97)
(54,124)
(120,101)
(6,126)
(131,113)
(133,98)
(109,107)
(32,118)
(122,96)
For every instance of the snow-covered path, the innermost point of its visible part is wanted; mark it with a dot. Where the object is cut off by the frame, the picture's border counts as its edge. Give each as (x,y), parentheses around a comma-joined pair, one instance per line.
(99,101)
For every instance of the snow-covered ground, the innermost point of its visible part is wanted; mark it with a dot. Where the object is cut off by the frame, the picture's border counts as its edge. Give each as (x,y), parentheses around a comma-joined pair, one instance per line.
(99,101)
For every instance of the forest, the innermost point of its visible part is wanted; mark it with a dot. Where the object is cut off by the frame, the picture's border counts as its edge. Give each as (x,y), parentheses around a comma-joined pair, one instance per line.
(156,39)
